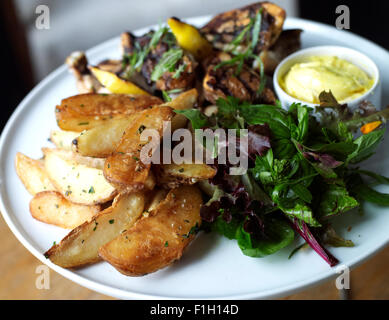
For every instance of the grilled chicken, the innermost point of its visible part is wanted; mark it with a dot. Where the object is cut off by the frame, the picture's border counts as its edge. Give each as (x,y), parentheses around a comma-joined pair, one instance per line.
(114,66)
(167,82)
(85,81)
(225,27)
(224,81)
(287,43)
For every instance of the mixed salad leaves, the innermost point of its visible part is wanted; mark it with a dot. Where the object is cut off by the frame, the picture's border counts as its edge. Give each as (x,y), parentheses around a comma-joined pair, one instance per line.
(303,171)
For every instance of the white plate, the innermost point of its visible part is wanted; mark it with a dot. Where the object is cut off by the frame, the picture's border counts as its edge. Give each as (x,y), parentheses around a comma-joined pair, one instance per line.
(212,267)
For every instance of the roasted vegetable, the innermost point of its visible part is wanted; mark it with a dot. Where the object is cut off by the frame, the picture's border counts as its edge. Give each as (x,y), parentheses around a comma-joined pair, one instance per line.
(156,241)
(81,245)
(77,182)
(33,174)
(85,111)
(63,139)
(52,208)
(101,141)
(124,168)
(172,175)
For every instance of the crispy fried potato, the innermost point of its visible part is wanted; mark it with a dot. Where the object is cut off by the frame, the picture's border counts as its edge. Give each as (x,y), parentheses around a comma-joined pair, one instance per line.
(186,100)
(160,239)
(85,111)
(124,168)
(101,141)
(77,181)
(51,207)
(172,175)
(97,163)
(81,245)
(154,199)
(32,173)
(63,139)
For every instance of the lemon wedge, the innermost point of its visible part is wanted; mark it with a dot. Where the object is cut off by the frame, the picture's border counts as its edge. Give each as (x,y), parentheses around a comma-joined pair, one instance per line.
(115,84)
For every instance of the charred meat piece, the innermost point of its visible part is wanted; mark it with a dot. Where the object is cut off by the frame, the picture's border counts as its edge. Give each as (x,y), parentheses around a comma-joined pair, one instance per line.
(113,66)
(85,81)
(224,81)
(169,80)
(225,27)
(287,43)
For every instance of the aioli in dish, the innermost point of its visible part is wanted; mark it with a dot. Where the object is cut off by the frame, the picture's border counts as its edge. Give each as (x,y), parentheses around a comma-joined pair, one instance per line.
(306,80)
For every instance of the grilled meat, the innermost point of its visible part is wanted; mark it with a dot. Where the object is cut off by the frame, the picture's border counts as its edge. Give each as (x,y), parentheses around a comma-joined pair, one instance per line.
(85,81)
(224,81)
(225,27)
(287,43)
(131,45)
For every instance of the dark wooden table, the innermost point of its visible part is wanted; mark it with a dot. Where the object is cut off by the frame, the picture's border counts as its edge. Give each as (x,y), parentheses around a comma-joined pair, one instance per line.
(18,277)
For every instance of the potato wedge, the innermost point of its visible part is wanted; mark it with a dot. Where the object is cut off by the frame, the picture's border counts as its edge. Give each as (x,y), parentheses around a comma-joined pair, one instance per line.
(76,181)
(172,175)
(183,101)
(154,199)
(124,168)
(160,239)
(81,245)
(85,111)
(101,141)
(63,139)
(32,173)
(97,163)
(51,207)
(186,100)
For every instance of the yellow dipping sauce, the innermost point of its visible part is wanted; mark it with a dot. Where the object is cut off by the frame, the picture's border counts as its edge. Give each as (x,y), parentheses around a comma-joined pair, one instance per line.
(305,81)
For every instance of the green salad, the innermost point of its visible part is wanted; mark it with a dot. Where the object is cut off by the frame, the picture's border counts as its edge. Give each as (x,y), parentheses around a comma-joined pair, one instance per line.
(304,169)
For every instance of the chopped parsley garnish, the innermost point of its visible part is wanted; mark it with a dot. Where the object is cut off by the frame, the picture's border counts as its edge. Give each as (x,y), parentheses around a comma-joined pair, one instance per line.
(166,96)
(179,70)
(166,244)
(111,221)
(91,190)
(194,230)
(138,56)
(167,63)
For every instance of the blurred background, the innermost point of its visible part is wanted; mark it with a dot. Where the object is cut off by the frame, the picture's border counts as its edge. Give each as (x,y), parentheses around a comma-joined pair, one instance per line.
(29,54)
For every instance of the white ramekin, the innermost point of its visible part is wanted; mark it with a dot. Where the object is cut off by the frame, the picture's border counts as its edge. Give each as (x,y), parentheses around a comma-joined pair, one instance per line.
(351,55)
